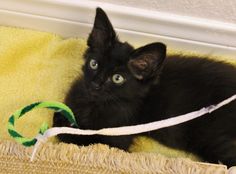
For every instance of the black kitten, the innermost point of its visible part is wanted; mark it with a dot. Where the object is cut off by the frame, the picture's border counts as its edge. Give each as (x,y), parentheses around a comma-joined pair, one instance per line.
(125,86)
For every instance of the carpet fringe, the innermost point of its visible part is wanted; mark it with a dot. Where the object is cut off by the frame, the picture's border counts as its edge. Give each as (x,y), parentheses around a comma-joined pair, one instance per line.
(97,158)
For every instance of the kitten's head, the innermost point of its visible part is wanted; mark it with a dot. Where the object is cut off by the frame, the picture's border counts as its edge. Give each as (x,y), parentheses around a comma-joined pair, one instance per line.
(114,69)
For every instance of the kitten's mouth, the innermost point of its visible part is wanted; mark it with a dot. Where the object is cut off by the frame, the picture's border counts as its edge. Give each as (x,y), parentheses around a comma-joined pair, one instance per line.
(99,96)
(94,93)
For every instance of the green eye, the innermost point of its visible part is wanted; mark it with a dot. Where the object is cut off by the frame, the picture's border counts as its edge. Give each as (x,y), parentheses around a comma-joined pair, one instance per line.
(118,79)
(93,64)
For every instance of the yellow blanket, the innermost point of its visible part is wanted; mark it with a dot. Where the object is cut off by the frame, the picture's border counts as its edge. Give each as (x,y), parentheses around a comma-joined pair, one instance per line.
(34,66)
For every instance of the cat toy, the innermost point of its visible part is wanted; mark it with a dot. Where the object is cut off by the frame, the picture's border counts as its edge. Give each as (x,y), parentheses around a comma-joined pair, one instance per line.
(56,106)
(45,133)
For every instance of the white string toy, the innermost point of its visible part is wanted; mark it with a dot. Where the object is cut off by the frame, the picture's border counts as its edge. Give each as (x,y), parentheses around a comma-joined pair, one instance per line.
(129,130)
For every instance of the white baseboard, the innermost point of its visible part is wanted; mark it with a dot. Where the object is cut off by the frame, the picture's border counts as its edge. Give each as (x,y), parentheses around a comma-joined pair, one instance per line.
(72,18)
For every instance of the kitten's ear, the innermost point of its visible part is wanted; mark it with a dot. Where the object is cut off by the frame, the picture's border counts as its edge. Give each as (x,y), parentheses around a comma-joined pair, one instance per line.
(102,34)
(146,62)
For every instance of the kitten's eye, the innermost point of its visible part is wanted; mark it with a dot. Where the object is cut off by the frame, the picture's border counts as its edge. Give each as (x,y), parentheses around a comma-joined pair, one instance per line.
(118,79)
(93,64)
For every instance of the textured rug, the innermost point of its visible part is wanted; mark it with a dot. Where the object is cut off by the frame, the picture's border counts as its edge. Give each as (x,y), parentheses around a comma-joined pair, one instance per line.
(68,158)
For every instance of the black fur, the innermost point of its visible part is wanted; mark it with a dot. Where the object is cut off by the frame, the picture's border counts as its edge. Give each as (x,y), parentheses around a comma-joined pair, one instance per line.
(154,88)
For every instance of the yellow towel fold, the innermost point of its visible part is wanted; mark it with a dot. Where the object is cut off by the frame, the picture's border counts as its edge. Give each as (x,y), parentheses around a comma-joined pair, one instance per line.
(34,66)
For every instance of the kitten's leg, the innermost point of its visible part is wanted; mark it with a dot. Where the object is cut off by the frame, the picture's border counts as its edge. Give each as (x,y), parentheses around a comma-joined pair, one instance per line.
(60,121)
(211,147)
(121,142)
(221,151)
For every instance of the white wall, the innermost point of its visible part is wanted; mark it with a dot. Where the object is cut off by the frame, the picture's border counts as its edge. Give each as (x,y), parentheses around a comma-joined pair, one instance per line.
(221,10)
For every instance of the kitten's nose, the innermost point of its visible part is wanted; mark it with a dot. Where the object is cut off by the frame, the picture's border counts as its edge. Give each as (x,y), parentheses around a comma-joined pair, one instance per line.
(95,85)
